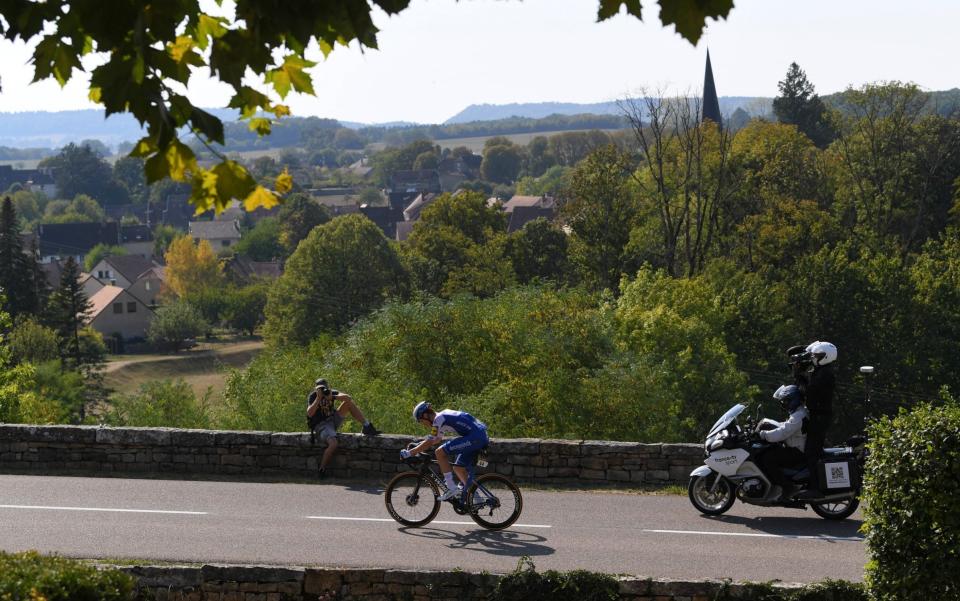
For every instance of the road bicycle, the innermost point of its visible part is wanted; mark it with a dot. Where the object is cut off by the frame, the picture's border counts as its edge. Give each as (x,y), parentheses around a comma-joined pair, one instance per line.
(413,498)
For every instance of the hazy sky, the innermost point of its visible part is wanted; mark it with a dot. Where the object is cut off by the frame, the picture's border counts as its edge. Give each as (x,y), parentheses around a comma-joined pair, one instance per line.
(439,56)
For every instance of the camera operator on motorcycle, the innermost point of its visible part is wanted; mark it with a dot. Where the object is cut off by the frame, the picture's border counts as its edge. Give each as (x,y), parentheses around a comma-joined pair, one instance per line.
(813,371)
(792,433)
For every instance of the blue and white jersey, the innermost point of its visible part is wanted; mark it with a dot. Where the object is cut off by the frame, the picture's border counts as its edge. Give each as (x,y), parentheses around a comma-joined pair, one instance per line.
(460,423)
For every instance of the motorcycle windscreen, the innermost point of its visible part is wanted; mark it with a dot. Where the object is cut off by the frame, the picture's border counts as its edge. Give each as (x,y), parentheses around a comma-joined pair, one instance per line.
(727,419)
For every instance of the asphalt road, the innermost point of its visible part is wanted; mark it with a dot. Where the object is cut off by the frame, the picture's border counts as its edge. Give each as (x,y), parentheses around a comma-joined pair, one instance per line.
(347,525)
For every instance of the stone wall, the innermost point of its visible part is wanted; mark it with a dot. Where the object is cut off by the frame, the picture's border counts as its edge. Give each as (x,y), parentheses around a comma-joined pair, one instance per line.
(258,583)
(281,455)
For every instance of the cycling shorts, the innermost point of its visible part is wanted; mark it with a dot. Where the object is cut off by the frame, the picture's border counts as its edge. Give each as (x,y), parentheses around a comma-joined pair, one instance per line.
(465,448)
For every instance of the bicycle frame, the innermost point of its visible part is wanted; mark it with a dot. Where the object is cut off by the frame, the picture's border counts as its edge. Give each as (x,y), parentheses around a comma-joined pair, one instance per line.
(431,468)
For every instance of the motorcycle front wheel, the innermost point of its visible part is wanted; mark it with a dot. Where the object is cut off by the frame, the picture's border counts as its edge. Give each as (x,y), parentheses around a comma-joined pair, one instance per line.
(711,503)
(836,510)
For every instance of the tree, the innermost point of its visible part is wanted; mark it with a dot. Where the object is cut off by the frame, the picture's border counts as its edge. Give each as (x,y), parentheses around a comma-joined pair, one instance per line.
(799,105)
(298,216)
(31,342)
(262,243)
(601,213)
(191,267)
(501,163)
(149,60)
(82,209)
(69,311)
(15,380)
(538,251)
(895,164)
(163,236)
(449,246)
(100,252)
(81,170)
(685,181)
(128,172)
(16,269)
(174,324)
(244,307)
(343,270)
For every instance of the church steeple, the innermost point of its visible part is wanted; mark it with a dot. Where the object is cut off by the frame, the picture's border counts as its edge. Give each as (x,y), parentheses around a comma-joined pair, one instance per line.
(711,104)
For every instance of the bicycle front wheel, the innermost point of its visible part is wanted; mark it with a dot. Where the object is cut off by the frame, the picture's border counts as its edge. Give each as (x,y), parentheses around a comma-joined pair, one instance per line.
(494,501)
(411,499)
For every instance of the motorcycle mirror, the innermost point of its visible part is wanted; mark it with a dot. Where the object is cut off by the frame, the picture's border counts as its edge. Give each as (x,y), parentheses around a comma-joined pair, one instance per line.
(866,369)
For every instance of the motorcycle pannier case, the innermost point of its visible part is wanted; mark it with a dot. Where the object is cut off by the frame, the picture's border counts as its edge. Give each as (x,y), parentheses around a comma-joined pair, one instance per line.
(837,474)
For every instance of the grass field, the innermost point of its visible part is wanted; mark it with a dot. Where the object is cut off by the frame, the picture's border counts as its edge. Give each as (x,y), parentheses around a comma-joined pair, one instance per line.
(476,143)
(202,368)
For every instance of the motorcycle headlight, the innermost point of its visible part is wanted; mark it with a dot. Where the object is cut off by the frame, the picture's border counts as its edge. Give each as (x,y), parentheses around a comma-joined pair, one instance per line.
(716,444)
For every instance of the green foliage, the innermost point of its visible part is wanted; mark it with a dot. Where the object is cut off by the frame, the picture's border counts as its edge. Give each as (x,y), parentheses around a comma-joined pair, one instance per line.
(243,307)
(343,270)
(163,235)
(100,252)
(29,575)
(601,214)
(81,170)
(82,209)
(162,403)
(60,395)
(17,270)
(799,105)
(538,252)
(262,243)
(174,324)
(270,394)
(68,311)
(458,246)
(677,329)
(501,162)
(298,216)
(910,493)
(525,583)
(31,342)
(897,164)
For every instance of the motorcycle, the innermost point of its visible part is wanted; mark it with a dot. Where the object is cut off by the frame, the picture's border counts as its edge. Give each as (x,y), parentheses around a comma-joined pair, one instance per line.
(731,472)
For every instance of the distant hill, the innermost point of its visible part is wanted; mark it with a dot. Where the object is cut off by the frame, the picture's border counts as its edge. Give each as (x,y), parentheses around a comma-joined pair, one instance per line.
(754,105)
(56,129)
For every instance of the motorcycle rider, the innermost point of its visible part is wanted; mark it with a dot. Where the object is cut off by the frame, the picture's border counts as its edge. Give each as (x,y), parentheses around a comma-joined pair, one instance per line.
(792,433)
(813,370)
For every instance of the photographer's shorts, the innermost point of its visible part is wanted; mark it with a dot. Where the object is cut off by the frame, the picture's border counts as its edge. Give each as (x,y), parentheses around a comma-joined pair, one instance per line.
(327,429)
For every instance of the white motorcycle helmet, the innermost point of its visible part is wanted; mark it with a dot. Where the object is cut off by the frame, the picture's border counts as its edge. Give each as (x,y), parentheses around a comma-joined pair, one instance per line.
(821,353)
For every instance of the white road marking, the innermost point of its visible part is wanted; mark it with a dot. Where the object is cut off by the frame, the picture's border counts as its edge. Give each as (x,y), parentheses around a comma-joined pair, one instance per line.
(104,509)
(763,535)
(328,517)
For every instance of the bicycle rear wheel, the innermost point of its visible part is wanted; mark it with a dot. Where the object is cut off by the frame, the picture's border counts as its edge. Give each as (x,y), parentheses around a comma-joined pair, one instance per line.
(411,499)
(494,501)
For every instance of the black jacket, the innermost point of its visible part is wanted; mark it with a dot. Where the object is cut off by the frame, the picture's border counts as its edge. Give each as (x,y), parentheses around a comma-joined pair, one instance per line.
(819,388)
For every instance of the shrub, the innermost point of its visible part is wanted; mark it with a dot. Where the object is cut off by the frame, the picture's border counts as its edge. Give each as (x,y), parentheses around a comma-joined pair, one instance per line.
(174,324)
(525,583)
(911,512)
(162,403)
(31,342)
(32,576)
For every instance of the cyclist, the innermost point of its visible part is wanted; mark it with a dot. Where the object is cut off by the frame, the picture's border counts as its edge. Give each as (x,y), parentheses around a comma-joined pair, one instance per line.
(471,439)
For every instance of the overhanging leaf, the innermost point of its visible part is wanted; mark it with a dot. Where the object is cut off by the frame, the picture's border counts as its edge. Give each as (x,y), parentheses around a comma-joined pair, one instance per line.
(284,182)
(689,16)
(260,197)
(610,8)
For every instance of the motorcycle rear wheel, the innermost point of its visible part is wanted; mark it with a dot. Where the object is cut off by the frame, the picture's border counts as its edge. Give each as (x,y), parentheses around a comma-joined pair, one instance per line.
(836,510)
(707,503)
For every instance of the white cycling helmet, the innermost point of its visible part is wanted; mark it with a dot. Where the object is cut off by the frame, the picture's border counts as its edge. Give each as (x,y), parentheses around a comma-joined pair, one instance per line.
(822,353)
(419,410)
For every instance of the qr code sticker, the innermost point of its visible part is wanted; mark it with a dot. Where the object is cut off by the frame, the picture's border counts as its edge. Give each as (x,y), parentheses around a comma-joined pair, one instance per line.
(838,475)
